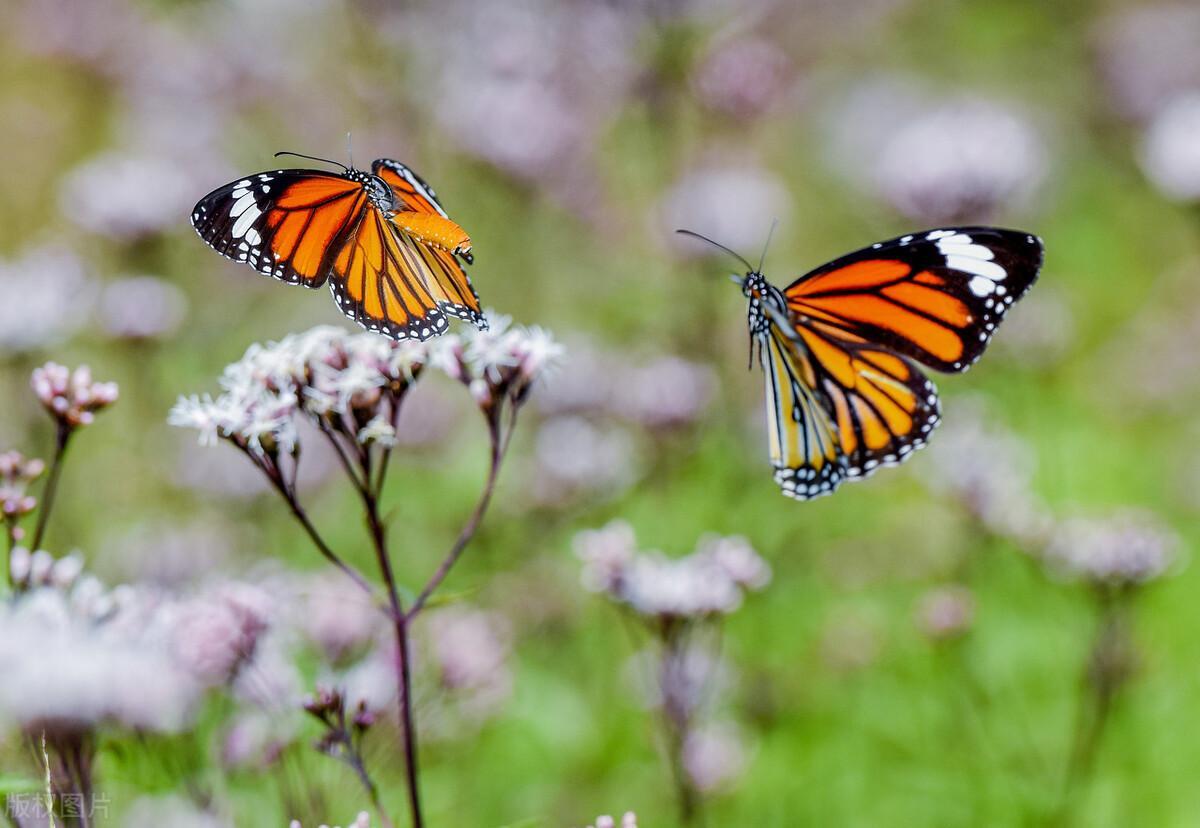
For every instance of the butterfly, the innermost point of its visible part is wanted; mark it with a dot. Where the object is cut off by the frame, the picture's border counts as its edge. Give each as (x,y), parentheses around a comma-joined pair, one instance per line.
(381,239)
(841,347)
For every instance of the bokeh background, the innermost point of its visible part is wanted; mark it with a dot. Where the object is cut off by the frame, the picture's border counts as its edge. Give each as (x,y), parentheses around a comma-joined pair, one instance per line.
(917,659)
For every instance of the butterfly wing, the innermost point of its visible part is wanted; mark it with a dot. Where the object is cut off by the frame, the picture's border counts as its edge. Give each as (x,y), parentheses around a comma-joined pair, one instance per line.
(288,224)
(422,224)
(935,297)
(804,445)
(382,281)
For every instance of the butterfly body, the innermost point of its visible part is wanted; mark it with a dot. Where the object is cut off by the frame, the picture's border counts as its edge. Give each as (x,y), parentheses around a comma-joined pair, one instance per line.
(380,239)
(842,347)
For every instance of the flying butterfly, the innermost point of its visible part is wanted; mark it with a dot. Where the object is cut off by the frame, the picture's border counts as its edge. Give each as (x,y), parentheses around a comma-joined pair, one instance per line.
(841,346)
(380,239)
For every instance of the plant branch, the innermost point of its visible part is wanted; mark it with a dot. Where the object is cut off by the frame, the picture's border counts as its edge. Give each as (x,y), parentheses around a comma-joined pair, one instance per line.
(500,443)
(62,438)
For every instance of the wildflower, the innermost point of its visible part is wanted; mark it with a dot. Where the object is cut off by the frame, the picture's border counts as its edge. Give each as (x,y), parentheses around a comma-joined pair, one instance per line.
(71,397)
(127,195)
(48,295)
(732,203)
(41,569)
(709,582)
(216,632)
(946,612)
(713,756)
(989,471)
(960,161)
(470,648)
(743,77)
(1148,56)
(575,456)
(16,473)
(1170,151)
(1126,549)
(141,308)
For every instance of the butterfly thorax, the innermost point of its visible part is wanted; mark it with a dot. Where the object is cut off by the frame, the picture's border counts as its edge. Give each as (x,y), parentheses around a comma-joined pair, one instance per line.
(378,191)
(762,294)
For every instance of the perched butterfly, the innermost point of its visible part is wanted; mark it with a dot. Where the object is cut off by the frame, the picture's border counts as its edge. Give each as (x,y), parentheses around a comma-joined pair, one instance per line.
(381,240)
(840,345)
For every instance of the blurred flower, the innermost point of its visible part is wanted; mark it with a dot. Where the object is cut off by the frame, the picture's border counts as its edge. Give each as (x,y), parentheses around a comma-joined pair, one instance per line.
(16,473)
(989,471)
(576,457)
(363,820)
(334,614)
(713,756)
(665,391)
(170,554)
(711,581)
(1148,56)
(1170,151)
(544,76)
(68,670)
(41,569)
(255,739)
(960,161)
(71,397)
(217,631)
(142,307)
(126,195)
(470,649)
(742,77)
(629,820)
(1122,550)
(734,205)
(946,612)
(47,297)
(656,391)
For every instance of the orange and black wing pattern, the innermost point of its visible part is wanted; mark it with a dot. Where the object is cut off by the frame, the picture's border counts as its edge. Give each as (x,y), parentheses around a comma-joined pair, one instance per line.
(440,243)
(288,224)
(936,297)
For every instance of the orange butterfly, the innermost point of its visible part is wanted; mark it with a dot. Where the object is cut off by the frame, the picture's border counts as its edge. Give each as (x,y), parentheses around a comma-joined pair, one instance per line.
(381,239)
(840,346)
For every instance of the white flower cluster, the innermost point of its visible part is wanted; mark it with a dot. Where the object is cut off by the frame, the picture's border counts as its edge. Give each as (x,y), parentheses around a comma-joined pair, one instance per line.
(342,380)
(1122,550)
(711,581)
(78,655)
(71,397)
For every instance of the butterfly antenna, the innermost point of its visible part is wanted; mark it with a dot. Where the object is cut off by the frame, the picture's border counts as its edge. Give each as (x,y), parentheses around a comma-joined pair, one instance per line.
(717,244)
(313,158)
(770,233)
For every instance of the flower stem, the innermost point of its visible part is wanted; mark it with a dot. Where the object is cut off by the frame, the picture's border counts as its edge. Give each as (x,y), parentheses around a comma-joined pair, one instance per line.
(62,438)
(499,449)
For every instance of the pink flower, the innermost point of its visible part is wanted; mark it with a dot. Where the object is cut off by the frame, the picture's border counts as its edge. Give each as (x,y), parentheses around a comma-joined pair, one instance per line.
(71,397)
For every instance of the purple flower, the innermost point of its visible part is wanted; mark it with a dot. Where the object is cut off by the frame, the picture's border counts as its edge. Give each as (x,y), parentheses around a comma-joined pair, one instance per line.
(714,756)
(946,612)
(742,77)
(142,307)
(71,397)
(1148,56)
(47,297)
(1122,550)
(731,203)
(1170,151)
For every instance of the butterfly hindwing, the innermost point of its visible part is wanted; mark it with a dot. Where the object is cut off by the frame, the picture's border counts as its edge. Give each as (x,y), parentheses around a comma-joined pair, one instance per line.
(936,297)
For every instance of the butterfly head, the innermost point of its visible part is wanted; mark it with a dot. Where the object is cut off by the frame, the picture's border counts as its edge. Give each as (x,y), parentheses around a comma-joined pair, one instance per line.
(378,191)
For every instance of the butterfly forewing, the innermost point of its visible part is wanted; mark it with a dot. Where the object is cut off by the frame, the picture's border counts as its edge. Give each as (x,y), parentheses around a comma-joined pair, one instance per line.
(935,296)
(287,224)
